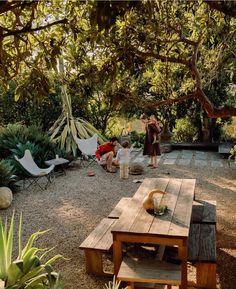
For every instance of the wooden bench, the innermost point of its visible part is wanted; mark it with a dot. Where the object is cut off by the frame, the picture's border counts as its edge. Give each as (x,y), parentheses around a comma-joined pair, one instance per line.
(117,211)
(202,253)
(100,241)
(96,244)
(204,212)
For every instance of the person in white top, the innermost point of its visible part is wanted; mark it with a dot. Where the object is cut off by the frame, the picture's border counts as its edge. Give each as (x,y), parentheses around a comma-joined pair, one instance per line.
(122,159)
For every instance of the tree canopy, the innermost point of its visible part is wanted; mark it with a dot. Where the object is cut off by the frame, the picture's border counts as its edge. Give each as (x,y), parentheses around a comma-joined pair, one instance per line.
(132,54)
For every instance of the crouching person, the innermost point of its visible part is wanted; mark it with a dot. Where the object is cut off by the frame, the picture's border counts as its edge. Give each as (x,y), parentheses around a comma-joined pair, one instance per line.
(105,154)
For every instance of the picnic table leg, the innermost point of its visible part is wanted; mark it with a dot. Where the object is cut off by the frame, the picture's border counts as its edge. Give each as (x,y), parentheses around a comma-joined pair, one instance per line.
(117,255)
(182,251)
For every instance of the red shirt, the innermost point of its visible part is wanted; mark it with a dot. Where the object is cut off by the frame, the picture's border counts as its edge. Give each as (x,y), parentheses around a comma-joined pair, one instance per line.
(104,148)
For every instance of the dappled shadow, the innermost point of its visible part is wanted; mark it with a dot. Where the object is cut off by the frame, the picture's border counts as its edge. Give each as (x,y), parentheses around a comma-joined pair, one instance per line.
(226,268)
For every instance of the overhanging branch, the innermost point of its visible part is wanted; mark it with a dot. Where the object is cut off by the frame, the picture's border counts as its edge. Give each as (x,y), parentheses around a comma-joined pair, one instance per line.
(162,58)
(29,29)
(156,103)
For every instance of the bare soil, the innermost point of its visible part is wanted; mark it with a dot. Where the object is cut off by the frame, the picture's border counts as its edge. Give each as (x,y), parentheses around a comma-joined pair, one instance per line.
(75,203)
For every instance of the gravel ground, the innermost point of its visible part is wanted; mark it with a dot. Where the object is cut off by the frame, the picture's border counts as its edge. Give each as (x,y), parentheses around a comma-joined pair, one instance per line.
(74,204)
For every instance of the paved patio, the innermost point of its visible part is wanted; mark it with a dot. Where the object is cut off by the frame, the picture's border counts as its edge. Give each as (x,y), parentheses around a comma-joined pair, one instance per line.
(192,158)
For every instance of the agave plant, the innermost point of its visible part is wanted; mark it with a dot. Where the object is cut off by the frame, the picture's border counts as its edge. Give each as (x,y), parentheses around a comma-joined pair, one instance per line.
(7,177)
(114,284)
(10,136)
(28,270)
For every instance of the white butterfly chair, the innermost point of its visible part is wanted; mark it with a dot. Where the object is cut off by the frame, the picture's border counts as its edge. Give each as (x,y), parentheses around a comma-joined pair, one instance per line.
(28,163)
(88,148)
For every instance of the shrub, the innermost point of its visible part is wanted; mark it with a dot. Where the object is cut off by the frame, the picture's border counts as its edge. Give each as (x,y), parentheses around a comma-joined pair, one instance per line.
(7,177)
(16,138)
(185,131)
(137,139)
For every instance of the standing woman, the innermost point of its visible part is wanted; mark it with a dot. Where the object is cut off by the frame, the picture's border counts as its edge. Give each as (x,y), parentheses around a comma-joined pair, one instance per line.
(151,148)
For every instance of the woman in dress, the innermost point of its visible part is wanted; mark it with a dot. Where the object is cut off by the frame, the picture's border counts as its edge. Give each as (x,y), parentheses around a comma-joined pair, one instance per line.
(151,148)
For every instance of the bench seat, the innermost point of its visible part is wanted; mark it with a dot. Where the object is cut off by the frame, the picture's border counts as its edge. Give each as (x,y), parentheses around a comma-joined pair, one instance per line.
(97,243)
(204,212)
(144,271)
(202,253)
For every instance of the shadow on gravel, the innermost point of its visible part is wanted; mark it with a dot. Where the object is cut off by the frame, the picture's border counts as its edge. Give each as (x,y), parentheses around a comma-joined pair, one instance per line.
(226,268)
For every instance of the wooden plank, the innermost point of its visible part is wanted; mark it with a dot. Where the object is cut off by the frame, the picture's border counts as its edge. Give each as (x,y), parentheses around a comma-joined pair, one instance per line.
(117,211)
(150,184)
(161,224)
(204,211)
(106,240)
(143,270)
(197,212)
(193,242)
(206,275)
(97,234)
(207,249)
(202,243)
(138,285)
(143,220)
(127,218)
(183,210)
(209,212)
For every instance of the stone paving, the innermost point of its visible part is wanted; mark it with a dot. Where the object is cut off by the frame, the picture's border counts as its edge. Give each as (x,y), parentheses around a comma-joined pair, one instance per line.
(184,158)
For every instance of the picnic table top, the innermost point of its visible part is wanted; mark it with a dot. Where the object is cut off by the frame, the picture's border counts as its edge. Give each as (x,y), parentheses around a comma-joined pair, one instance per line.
(175,223)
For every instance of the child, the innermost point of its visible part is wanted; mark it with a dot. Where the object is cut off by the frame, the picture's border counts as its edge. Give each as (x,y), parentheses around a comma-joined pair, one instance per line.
(122,158)
(153,120)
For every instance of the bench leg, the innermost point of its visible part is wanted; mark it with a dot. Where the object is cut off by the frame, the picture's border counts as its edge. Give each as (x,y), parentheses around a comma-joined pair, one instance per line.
(206,275)
(94,263)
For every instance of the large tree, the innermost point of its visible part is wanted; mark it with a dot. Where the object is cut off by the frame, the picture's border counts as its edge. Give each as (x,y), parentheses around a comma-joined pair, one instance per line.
(191,37)
(194,39)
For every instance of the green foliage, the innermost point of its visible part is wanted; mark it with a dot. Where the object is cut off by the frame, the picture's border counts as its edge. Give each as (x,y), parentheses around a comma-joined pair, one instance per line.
(16,138)
(137,139)
(185,131)
(30,269)
(7,177)
(29,110)
(229,130)
(118,55)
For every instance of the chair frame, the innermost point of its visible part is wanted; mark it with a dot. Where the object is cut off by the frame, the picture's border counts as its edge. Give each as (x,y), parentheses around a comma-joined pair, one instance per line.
(34,171)
(85,156)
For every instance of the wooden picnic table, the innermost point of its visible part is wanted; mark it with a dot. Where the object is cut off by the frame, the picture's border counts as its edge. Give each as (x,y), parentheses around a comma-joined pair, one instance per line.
(172,229)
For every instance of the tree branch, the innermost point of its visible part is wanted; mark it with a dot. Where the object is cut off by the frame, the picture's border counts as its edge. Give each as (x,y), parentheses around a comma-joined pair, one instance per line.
(212,111)
(200,96)
(155,103)
(29,29)
(162,57)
